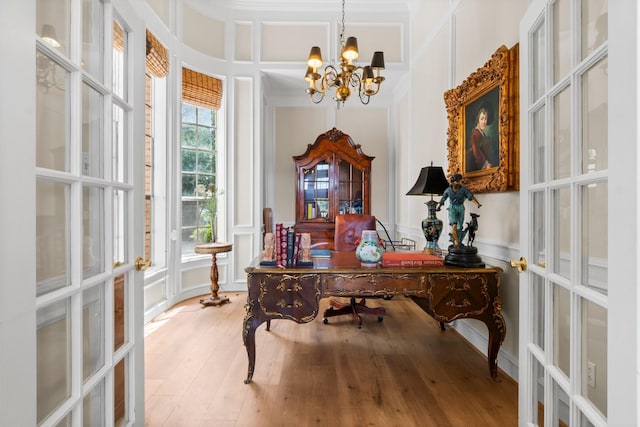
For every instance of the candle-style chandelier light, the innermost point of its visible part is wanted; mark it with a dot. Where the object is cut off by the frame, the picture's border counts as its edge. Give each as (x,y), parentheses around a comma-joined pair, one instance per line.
(367,80)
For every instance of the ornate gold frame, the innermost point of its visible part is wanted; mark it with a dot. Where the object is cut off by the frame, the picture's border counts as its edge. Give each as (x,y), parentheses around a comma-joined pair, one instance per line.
(500,71)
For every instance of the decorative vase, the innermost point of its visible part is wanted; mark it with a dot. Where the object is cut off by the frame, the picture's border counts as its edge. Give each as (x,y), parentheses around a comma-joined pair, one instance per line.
(431,227)
(369,251)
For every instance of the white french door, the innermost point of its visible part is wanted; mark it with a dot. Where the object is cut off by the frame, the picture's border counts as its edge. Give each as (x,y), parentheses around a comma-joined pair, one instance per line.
(563,351)
(88,210)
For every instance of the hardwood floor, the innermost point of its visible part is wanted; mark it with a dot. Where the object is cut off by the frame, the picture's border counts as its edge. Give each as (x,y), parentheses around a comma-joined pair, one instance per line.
(403,371)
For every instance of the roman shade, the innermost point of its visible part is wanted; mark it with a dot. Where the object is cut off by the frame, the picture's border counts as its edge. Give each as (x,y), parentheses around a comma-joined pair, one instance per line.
(200,89)
(157,58)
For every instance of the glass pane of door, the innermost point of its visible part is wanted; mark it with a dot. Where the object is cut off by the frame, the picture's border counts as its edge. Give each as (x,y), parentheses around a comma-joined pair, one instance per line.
(93,330)
(562,134)
(536,384)
(92,231)
(595,121)
(52,114)
(53,253)
(92,38)
(561,38)
(594,26)
(561,328)
(561,247)
(538,302)
(594,349)
(53,357)
(120,393)
(594,247)
(92,132)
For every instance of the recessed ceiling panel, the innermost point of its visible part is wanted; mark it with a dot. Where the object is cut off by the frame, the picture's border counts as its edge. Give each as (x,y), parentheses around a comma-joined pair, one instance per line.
(285,42)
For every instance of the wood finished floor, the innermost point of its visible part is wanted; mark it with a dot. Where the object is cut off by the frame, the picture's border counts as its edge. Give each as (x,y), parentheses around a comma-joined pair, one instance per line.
(403,371)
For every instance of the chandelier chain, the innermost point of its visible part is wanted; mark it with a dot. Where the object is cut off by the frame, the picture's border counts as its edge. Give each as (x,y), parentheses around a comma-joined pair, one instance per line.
(342,31)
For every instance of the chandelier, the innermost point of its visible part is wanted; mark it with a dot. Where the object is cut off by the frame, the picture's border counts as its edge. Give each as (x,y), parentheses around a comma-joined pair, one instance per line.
(366,80)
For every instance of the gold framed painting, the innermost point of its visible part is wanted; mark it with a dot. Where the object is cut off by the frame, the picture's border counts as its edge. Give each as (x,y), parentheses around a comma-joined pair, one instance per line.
(482,139)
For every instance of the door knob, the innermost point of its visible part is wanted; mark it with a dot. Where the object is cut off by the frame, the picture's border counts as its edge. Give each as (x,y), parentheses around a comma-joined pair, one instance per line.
(521,265)
(141,264)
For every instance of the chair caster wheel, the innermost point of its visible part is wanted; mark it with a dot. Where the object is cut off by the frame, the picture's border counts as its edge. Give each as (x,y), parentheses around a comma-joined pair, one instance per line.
(380,318)
(325,320)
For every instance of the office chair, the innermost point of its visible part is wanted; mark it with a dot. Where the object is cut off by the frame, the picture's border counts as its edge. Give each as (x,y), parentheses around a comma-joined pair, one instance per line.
(348,229)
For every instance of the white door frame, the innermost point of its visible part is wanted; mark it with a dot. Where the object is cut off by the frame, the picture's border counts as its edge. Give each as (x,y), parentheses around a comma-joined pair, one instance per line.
(624,213)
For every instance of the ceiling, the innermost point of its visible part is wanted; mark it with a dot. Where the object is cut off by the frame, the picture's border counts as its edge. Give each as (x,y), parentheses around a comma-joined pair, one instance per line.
(375,6)
(287,80)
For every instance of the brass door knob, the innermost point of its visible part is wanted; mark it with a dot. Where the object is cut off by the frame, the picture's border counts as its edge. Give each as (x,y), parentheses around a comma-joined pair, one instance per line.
(521,265)
(141,264)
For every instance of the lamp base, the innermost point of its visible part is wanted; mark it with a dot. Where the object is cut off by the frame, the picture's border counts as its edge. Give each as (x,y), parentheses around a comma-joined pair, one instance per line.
(431,228)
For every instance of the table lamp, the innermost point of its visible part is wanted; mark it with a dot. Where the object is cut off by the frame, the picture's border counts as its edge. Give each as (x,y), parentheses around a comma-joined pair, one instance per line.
(431,181)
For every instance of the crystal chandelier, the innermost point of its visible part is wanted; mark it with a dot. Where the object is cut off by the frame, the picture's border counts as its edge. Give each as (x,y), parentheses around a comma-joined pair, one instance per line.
(366,80)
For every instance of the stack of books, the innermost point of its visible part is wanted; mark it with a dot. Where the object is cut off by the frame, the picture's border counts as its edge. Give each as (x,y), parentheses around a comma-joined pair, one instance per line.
(411,259)
(287,246)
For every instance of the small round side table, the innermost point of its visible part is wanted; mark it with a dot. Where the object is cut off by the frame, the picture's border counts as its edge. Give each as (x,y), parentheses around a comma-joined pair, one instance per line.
(213,249)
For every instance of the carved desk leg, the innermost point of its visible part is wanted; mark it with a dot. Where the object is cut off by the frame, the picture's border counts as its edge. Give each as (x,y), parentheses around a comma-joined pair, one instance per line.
(497,332)
(250,325)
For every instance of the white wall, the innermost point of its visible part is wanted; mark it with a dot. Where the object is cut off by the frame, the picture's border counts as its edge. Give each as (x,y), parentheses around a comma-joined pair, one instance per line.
(457,41)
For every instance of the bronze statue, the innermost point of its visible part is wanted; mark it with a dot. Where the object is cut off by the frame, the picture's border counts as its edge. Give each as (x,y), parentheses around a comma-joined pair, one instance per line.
(457,194)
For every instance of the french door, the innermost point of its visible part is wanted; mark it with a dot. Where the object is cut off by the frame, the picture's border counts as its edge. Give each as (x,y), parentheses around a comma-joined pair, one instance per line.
(88,211)
(563,351)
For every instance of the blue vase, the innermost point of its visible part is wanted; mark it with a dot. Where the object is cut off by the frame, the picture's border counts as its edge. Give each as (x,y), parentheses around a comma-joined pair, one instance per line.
(369,251)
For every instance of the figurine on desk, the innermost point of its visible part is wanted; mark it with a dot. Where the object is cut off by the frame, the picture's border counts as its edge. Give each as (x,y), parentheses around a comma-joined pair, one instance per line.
(459,254)
(305,248)
(269,247)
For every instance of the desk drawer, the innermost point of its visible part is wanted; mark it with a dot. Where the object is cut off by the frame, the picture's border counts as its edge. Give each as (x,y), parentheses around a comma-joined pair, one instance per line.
(456,296)
(379,284)
(290,296)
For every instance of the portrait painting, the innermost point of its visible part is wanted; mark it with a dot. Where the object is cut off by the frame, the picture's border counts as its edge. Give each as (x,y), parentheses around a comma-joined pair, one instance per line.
(482,143)
(482,138)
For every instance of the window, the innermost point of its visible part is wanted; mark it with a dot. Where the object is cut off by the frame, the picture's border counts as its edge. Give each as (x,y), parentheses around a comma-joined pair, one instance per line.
(157,68)
(199,191)
(201,98)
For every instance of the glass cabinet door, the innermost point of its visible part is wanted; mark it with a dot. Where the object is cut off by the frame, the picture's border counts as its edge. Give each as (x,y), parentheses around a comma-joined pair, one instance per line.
(350,188)
(316,191)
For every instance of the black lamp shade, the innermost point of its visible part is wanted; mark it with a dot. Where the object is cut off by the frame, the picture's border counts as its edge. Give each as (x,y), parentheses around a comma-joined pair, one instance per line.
(431,181)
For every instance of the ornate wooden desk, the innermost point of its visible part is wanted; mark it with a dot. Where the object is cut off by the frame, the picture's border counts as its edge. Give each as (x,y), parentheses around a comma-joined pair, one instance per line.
(446,293)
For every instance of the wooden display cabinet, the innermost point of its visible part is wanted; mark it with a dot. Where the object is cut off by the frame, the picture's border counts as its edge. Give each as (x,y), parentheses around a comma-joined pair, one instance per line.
(332,178)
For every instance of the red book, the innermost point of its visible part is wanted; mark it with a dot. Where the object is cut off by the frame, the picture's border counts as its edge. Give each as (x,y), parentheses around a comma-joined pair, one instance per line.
(278,243)
(411,259)
(283,247)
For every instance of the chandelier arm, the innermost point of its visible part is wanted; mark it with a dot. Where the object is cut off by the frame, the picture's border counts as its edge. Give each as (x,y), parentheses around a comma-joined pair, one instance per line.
(355,80)
(363,95)
(316,97)
(330,76)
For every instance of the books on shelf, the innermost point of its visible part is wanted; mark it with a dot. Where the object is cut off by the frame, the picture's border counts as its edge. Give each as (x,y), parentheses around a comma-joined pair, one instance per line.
(415,259)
